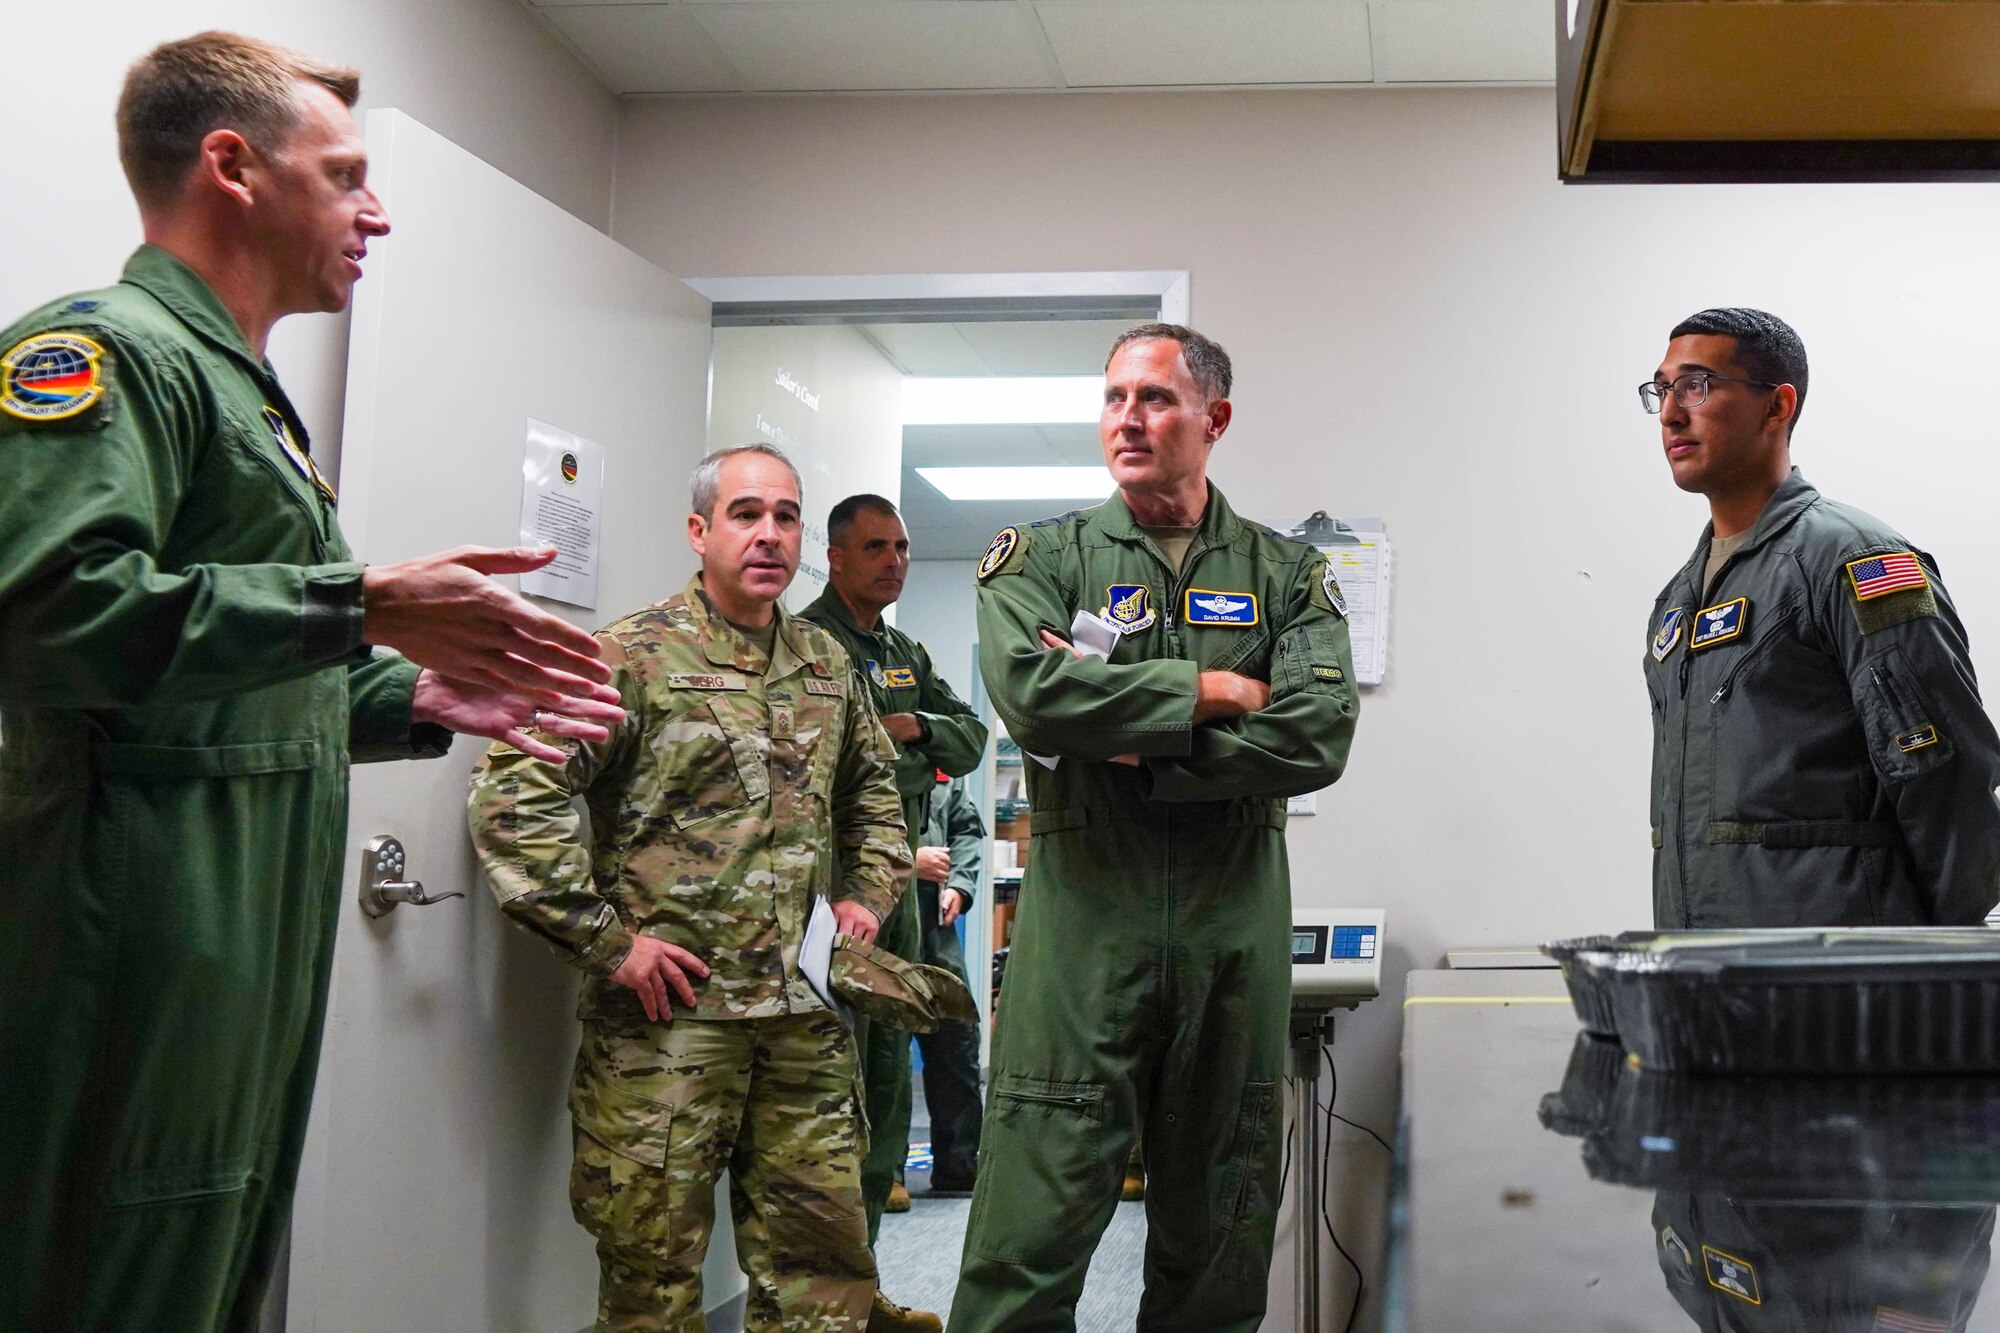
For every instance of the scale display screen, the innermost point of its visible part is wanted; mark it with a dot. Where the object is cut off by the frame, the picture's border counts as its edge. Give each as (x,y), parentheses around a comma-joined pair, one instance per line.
(1308,945)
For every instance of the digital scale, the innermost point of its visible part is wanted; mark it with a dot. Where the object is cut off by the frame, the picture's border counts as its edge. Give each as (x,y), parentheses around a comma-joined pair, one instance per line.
(1337,954)
(1336,964)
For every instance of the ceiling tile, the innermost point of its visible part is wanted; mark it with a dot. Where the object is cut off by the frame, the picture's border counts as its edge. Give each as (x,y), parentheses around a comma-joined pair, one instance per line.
(867,45)
(982,446)
(1467,41)
(644,48)
(1107,44)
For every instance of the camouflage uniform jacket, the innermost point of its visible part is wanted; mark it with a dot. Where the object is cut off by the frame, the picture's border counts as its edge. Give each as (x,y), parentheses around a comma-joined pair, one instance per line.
(730,795)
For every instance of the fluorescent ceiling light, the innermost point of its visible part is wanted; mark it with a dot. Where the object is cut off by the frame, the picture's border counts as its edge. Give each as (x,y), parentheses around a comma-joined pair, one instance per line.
(1019,483)
(1039,400)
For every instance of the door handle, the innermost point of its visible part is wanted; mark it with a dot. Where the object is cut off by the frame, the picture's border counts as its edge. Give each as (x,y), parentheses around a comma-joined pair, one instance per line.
(382,882)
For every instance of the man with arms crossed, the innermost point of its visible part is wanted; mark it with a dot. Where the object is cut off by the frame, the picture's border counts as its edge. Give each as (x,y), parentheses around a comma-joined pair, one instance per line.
(185,676)
(749,775)
(1820,754)
(868,560)
(1149,981)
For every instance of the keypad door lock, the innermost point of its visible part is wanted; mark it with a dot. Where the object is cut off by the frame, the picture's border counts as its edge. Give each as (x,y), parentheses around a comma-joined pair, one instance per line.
(382,882)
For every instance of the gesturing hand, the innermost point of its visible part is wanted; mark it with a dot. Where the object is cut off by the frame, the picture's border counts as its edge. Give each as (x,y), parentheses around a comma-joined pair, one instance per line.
(856,920)
(505,715)
(443,612)
(951,905)
(653,968)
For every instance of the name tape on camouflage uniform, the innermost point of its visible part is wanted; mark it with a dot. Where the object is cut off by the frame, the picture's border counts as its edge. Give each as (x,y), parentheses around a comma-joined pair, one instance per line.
(51,377)
(814,685)
(1129,606)
(1879,575)
(700,680)
(1005,543)
(1669,633)
(1206,606)
(1719,624)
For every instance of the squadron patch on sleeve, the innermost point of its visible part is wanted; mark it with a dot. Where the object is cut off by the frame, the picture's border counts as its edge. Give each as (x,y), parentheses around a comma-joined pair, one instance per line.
(51,377)
(1329,590)
(1009,544)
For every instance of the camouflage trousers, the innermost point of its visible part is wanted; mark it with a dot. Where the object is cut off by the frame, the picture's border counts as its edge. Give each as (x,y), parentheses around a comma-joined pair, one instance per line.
(661,1109)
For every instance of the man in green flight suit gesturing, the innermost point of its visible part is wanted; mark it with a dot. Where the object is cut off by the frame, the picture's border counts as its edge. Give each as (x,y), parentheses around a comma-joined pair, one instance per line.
(185,676)
(1149,983)
(868,559)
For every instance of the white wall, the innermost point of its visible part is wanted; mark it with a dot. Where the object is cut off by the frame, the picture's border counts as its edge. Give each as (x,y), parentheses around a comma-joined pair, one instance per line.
(937,611)
(480,72)
(826,396)
(1428,327)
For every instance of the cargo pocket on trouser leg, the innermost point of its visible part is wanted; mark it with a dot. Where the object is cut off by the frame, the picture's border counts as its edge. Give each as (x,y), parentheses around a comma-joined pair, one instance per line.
(1043,1180)
(1247,1191)
(651,1211)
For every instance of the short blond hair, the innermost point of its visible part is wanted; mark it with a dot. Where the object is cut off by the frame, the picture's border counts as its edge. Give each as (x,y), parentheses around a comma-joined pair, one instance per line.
(181,92)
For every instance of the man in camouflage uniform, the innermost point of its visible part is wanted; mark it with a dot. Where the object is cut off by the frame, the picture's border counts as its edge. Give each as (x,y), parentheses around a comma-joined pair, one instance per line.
(750,775)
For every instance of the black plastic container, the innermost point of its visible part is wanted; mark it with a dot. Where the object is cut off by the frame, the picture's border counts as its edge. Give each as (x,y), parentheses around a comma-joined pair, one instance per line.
(1869,1001)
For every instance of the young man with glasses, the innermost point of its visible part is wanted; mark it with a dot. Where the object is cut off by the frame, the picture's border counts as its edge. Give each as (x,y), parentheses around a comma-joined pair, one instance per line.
(1820,753)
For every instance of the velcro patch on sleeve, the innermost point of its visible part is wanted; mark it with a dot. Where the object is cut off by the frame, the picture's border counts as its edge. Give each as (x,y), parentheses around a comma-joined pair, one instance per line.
(1006,554)
(48,378)
(1889,588)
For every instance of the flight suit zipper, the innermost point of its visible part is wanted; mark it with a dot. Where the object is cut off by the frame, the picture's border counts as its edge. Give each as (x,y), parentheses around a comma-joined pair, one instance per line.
(1680,787)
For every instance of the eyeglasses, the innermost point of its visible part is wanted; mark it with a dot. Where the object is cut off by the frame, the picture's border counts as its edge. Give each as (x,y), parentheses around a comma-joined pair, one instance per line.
(1690,390)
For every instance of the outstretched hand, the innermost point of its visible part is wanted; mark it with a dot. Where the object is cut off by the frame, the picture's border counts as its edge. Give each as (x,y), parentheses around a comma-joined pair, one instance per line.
(443,612)
(506,715)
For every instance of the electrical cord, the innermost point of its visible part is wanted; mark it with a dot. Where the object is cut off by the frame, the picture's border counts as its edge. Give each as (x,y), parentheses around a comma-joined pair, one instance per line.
(1325,1172)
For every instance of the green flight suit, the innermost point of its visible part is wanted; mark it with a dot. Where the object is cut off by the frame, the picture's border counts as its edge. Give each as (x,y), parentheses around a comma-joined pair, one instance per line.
(951,1054)
(1149,980)
(182,687)
(1820,754)
(900,679)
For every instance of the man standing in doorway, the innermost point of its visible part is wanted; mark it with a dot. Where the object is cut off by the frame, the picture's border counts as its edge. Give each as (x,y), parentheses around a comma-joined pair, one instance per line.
(1820,754)
(185,676)
(1149,982)
(749,776)
(950,855)
(868,559)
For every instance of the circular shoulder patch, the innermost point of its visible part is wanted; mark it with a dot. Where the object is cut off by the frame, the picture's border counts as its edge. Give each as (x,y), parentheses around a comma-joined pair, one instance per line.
(1329,588)
(1005,544)
(50,376)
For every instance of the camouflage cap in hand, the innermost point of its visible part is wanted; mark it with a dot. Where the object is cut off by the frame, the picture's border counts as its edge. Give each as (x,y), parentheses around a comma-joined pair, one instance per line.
(896,992)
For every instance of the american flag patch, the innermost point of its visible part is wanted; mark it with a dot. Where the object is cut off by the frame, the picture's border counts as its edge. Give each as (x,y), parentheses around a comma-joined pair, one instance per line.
(1902,1321)
(1879,575)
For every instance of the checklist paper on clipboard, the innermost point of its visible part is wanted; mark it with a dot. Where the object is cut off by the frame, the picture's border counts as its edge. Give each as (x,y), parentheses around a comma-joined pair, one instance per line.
(1359,551)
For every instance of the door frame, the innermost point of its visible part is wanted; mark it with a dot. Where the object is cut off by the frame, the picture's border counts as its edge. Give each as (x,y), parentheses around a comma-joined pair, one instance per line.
(949,297)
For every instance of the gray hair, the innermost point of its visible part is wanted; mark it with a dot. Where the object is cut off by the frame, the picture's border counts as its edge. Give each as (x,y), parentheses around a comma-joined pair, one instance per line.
(1206,360)
(707,479)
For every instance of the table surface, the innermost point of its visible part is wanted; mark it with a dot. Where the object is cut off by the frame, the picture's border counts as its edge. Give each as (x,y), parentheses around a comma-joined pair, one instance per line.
(1659,1202)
